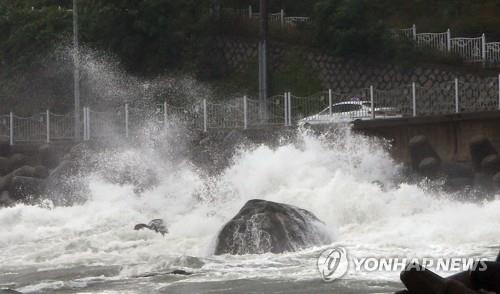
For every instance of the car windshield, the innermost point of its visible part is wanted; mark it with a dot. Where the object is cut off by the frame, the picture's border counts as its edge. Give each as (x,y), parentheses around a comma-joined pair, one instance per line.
(347,107)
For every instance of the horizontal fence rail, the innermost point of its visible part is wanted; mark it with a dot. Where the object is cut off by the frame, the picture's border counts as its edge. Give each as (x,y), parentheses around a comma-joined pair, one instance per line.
(278,18)
(475,49)
(330,106)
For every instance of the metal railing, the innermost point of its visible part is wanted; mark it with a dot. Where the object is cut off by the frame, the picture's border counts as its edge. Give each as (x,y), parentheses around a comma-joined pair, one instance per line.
(274,18)
(469,49)
(457,96)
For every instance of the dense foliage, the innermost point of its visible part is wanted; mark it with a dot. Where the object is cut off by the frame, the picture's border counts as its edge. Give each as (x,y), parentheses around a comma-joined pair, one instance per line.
(150,37)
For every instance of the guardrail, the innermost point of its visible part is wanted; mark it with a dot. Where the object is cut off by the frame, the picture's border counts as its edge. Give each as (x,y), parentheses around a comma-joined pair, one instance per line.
(457,96)
(274,18)
(469,49)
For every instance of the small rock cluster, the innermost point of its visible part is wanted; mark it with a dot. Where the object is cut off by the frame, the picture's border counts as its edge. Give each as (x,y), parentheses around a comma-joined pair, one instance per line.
(482,173)
(23,175)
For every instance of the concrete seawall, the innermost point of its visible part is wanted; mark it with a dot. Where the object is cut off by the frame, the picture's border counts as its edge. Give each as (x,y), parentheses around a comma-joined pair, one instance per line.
(449,134)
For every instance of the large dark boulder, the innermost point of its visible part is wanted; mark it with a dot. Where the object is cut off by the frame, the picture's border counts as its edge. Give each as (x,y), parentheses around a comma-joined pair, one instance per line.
(263,226)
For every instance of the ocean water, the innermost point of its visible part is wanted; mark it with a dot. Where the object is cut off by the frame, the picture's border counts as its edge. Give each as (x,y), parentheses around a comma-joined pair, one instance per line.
(350,182)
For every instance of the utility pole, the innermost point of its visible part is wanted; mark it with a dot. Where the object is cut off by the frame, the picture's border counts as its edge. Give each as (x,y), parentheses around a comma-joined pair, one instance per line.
(263,54)
(216,8)
(76,75)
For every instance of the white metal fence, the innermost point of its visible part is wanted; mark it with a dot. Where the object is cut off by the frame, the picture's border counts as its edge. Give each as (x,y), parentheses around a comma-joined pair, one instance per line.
(279,18)
(457,96)
(469,49)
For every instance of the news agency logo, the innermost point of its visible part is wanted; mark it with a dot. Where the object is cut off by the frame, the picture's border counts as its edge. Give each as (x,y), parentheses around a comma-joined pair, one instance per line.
(333,264)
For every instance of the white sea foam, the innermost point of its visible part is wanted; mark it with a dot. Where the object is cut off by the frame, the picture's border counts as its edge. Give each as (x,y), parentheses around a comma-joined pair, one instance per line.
(334,179)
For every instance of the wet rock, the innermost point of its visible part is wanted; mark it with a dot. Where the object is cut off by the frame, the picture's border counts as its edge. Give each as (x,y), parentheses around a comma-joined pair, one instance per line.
(156,225)
(5,182)
(459,184)
(480,147)
(420,149)
(65,185)
(17,160)
(25,171)
(180,272)
(26,188)
(4,148)
(49,156)
(4,166)
(496,181)
(40,172)
(263,226)
(490,164)
(5,199)
(429,166)
(457,170)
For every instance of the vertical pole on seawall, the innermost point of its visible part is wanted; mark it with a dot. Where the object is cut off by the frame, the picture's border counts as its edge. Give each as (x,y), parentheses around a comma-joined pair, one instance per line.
(89,124)
(285,107)
(448,40)
(245,113)
(165,117)
(48,125)
(84,124)
(11,128)
(282,16)
(372,102)
(483,47)
(126,120)
(330,102)
(76,72)
(205,121)
(250,12)
(499,92)
(290,109)
(457,107)
(414,98)
(414,31)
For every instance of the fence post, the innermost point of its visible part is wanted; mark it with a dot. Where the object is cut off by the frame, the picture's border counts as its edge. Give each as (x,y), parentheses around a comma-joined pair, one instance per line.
(245,112)
(126,120)
(48,125)
(88,124)
(285,107)
(372,102)
(165,117)
(11,128)
(483,47)
(457,108)
(330,101)
(250,12)
(282,16)
(414,98)
(414,31)
(448,40)
(205,121)
(84,123)
(289,108)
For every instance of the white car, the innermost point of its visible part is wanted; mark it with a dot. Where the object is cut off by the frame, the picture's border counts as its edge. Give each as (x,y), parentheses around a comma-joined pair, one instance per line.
(349,111)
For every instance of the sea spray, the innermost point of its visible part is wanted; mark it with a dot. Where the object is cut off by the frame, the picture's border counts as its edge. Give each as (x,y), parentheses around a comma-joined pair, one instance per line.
(336,177)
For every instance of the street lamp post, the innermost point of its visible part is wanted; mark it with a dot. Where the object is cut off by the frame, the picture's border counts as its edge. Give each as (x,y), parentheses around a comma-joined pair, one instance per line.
(76,74)
(263,55)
